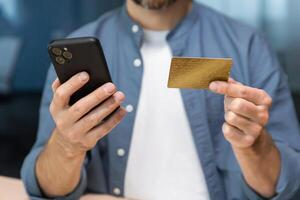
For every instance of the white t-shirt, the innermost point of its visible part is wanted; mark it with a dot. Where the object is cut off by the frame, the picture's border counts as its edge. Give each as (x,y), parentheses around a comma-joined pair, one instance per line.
(163,162)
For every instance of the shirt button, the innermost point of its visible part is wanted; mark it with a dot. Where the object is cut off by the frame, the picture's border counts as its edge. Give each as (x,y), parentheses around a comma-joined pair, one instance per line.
(129,108)
(137,62)
(135,28)
(117,191)
(121,152)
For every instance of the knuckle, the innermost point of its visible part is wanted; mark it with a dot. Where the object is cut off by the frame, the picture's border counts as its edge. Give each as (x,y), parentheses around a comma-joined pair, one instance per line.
(77,109)
(225,128)
(227,132)
(237,104)
(264,117)
(243,91)
(60,95)
(89,119)
(230,117)
(262,109)
(59,123)
(100,94)
(267,100)
(94,118)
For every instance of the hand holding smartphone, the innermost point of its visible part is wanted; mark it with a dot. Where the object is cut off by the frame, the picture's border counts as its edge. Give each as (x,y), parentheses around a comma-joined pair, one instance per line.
(86,105)
(79,107)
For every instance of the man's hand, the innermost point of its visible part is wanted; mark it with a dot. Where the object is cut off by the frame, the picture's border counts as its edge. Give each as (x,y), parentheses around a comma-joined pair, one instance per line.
(246,115)
(246,112)
(78,129)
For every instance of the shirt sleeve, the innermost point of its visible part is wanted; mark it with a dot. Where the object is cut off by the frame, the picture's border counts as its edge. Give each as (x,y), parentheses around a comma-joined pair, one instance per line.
(46,126)
(266,73)
(288,183)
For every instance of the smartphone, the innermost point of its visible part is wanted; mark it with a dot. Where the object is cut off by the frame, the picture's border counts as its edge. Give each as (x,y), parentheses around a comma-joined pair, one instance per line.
(75,55)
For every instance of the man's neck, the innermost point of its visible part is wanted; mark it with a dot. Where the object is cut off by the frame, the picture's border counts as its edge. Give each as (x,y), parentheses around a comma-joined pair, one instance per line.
(165,19)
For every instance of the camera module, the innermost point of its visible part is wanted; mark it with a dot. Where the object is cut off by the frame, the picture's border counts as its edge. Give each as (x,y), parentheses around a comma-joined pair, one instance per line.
(56,51)
(60,60)
(68,55)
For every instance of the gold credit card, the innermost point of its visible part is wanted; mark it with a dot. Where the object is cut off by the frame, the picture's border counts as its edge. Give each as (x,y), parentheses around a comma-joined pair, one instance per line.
(198,73)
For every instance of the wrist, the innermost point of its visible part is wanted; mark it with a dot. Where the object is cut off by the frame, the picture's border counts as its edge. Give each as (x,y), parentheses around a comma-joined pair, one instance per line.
(63,148)
(255,163)
(263,146)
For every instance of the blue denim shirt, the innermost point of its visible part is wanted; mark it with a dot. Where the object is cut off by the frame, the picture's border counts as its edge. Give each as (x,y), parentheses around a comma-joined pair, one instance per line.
(202,33)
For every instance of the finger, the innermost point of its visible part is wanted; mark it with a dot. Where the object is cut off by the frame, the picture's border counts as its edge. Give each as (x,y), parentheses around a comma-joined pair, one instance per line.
(241,107)
(86,104)
(230,80)
(101,130)
(258,114)
(243,124)
(55,85)
(237,138)
(100,113)
(257,96)
(64,92)
(227,101)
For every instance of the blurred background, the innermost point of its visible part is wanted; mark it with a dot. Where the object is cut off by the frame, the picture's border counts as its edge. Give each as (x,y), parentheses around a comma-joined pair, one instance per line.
(26,27)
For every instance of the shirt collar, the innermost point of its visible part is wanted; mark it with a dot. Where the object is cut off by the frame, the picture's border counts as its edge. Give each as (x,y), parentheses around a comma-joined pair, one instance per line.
(176,37)
(130,26)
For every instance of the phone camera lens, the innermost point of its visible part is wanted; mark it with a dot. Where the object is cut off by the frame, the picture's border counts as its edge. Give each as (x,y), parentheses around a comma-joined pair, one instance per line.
(57,51)
(68,55)
(60,60)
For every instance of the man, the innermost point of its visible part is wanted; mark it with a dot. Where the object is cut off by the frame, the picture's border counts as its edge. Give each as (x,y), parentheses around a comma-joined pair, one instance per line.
(172,144)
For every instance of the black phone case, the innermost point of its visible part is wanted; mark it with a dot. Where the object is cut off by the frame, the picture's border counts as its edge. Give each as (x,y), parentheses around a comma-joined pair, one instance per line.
(83,54)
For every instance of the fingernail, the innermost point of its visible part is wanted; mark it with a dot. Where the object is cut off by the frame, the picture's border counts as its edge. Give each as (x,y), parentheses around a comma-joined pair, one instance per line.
(213,86)
(109,87)
(83,76)
(120,96)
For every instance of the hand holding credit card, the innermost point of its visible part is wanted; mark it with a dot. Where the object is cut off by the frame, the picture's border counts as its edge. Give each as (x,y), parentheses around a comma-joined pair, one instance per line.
(198,73)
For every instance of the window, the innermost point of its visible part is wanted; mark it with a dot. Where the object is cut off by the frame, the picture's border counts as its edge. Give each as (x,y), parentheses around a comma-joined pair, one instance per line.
(33,24)
(278,19)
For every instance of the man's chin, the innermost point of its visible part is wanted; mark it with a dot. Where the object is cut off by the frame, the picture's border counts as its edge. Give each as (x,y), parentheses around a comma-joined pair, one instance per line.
(155,4)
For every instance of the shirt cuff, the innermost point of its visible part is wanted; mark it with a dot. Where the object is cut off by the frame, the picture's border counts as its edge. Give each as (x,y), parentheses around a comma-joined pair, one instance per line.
(288,183)
(31,184)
